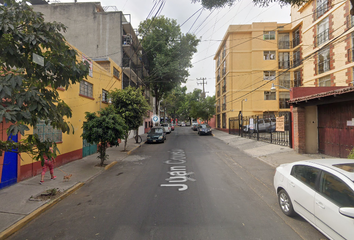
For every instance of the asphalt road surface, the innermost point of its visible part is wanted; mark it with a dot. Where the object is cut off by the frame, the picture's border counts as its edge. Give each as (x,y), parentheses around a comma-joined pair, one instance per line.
(190,187)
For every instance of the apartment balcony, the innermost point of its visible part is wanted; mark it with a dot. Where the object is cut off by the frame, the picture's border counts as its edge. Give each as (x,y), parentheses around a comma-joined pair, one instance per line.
(324,66)
(321,9)
(284,44)
(224,72)
(224,106)
(284,64)
(351,55)
(224,89)
(285,83)
(322,37)
(295,42)
(297,82)
(218,109)
(283,103)
(296,63)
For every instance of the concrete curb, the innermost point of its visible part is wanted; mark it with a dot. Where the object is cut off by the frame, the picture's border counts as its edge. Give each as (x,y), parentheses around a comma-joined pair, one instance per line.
(135,148)
(24,221)
(110,165)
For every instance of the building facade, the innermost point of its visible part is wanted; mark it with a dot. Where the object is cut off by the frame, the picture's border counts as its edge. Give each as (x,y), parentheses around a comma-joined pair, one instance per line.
(323,109)
(249,61)
(100,33)
(90,95)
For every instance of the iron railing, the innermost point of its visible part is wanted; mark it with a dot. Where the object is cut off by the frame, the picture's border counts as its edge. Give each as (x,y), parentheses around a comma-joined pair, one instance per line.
(322,37)
(284,44)
(263,128)
(296,41)
(321,9)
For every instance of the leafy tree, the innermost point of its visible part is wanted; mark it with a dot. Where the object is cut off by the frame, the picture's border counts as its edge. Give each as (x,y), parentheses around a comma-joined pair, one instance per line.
(169,53)
(189,105)
(209,4)
(204,109)
(173,101)
(27,89)
(104,129)
(131,105)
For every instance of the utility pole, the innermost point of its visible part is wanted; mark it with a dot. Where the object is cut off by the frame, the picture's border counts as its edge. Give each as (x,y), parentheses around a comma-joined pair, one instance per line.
(202,79)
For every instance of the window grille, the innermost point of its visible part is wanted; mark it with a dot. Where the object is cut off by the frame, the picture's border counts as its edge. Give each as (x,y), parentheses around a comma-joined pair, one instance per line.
(269,35)
(284,97)
(104,96)
(47,132)
(269,55)
(269,95)
(324,81)
(86,89)
(268,75)
(323,61)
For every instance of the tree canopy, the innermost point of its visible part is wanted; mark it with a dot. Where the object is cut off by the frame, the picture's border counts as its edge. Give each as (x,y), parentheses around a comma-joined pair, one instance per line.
(169,53)
(28,87)
(210,4)
(104,128)
(131,105)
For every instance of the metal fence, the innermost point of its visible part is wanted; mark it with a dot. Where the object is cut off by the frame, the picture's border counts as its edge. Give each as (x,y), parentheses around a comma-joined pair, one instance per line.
(262,128)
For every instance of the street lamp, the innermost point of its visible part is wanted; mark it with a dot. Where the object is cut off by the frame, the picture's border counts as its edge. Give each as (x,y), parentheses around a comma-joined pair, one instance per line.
(243,100)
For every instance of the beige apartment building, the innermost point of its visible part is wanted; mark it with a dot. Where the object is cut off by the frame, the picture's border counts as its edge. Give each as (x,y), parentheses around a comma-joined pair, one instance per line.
(312,56)
(251,59)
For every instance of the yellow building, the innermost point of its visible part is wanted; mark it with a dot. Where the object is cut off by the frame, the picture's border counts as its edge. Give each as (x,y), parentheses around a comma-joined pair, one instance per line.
(90,95)
(248,61)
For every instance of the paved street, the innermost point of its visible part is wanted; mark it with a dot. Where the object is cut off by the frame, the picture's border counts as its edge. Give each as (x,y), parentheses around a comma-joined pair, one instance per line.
(190,187)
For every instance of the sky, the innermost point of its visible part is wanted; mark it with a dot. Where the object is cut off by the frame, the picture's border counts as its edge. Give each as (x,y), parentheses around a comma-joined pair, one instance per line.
(209,26)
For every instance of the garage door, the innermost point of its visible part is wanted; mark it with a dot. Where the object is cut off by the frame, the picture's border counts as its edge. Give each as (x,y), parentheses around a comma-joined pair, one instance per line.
(336,136)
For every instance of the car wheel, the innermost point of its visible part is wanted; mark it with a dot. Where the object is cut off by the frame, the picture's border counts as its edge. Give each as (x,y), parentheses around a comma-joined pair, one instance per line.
(285,203)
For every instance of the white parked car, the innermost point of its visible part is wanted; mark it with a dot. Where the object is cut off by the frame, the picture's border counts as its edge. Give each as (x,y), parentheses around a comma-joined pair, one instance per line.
(321,191)
(167,127)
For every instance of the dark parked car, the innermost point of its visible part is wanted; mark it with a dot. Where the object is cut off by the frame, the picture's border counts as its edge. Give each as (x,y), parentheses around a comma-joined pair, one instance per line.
(204,129)
(156,134)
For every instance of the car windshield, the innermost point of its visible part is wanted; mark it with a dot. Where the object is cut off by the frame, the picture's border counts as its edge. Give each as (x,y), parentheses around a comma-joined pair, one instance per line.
(156,130)
(204,126)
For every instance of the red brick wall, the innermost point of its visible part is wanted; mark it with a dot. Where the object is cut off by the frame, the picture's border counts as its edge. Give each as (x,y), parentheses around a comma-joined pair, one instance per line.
(299,134)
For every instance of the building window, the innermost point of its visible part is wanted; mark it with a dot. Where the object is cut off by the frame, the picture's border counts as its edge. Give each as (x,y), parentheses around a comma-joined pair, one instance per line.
(104,96)
(269,95)
(284,60)
(351,50)
(296,37)
(224,120)
(323,61)
(224,52)
(284,97)
(224,86)
(86,89)
(296,58)
(116,72)
(218,63)
(323,32)
(224,69)
(47,132)
(269,35)
(283,41)
(297,78)
(284,79)
(322,7)
(268,75)
(324,81)
(269,55)
(224,103)
(218,121)
(218,90)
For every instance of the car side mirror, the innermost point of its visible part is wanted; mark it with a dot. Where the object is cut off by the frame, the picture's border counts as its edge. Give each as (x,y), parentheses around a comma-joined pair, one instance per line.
(347,211)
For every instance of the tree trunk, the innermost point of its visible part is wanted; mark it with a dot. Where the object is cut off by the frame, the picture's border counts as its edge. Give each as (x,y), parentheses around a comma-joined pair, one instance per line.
(125,141)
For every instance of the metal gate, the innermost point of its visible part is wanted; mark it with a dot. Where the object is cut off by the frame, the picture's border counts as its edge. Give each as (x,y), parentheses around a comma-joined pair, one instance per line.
(88,149)
(263,128)
(335,135)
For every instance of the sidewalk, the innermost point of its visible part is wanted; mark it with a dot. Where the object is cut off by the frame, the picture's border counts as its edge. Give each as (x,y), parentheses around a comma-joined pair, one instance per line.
(271,154)
(17,203)
(16,208)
